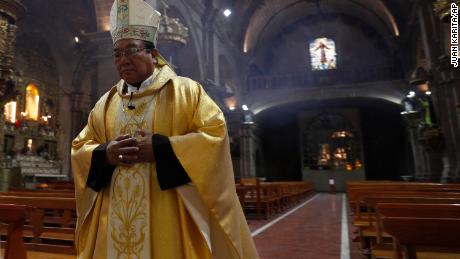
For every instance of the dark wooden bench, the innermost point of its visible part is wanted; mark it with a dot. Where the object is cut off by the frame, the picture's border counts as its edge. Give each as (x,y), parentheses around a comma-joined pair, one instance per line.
(363,214)
(355,189)
(382,247)
(47,232)
(14,216)
(27,193)
(268,198)
(422,229)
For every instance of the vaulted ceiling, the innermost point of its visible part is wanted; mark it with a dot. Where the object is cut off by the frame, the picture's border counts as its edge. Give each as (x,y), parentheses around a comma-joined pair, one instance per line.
(74,16)
(257,22)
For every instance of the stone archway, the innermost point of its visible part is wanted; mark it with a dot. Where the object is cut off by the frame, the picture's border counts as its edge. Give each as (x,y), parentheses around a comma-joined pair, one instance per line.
(261,100)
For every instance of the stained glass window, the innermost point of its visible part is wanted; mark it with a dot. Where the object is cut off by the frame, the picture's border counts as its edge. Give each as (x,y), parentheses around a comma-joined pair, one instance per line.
(323,54)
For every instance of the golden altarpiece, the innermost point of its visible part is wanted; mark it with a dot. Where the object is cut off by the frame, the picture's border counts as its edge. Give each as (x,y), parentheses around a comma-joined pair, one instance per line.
(28,103)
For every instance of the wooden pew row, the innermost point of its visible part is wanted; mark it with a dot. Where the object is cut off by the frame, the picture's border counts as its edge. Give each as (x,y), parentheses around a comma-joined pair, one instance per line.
(422,230)
(409,186)
(356,191)
(357,188)
(14,216)
(28,193)
(362,208)
(52,217)
(41,190)
(363,214)
(40,234)
(268,198)
(380,241)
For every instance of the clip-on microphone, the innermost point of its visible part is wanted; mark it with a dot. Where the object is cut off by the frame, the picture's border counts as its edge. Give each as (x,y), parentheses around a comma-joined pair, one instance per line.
(130,104)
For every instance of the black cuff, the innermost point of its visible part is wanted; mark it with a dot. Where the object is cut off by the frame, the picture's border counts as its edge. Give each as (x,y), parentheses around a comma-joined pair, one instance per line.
(170,172)
(100,171)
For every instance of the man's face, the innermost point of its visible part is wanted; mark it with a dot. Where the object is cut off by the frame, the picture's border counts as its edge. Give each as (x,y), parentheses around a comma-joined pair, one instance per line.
(134,66)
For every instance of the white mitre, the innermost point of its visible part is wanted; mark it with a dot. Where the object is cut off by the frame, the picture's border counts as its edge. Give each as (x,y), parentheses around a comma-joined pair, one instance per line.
(134,19)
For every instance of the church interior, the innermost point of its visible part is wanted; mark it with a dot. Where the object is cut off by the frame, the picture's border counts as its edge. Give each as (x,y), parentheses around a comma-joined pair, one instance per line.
(343,118)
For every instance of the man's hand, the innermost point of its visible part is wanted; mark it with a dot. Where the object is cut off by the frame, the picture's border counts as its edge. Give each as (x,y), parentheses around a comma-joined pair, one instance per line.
(145,154)
(122,151)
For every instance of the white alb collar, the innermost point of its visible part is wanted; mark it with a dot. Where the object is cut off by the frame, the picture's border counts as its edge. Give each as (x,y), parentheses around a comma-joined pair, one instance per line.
(147,82)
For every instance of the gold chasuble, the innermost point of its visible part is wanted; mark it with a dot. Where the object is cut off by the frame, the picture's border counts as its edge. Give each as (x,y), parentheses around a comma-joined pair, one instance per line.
(132,217)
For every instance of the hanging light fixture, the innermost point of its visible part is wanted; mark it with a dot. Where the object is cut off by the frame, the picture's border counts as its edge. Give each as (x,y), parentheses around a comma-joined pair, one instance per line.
(172,30)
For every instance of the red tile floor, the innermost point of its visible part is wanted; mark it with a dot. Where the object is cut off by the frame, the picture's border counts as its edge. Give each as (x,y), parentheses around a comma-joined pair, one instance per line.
(312,231)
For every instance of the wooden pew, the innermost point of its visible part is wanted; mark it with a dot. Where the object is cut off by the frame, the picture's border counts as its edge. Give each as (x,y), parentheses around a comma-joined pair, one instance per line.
(14,216)
(41,190)
(359,191)
(27,193)
(364,200)
(258,198)
(422,230)
(58,237)
(52,216)
(355,189)
(383,247)
(268,198)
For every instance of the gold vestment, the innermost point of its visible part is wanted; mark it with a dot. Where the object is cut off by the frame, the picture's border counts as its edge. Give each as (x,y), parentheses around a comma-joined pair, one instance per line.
(199,220)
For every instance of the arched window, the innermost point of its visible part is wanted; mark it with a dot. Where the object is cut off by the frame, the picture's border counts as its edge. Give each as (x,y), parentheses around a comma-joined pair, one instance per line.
(32,102)
(10,112)
(322,54)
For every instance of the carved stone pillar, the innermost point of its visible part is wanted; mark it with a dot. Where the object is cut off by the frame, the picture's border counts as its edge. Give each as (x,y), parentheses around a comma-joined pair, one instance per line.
(248,146)
(412,120)
(448,78)
(10,12)
(444,94)
(209,43)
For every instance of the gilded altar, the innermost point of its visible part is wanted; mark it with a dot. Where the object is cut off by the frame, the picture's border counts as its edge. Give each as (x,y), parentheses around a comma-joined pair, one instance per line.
(28,107)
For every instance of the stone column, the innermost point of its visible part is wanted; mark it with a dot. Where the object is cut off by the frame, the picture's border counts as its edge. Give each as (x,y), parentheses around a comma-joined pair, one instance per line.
(248,138)
(209,43)
(412,120)
(10,12)
(443,93)
(445,86)
(448,78)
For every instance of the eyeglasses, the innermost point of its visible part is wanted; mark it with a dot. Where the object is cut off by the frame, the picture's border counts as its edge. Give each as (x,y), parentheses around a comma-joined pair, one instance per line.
(118,54)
